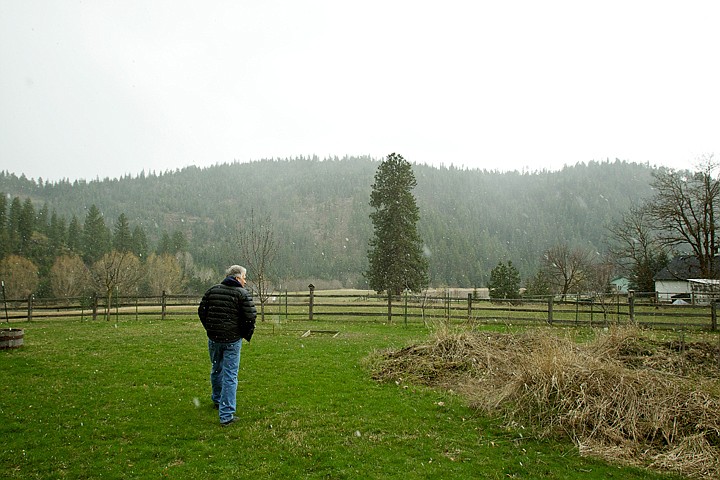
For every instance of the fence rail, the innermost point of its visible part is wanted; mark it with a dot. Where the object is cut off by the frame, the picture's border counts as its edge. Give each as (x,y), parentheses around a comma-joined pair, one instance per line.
(578,311)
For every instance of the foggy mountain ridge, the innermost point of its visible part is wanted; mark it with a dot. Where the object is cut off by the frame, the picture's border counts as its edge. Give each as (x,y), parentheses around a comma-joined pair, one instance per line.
(319,209)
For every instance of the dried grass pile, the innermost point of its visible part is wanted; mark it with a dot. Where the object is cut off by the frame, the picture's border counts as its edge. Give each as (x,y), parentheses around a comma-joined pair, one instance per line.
(620,397)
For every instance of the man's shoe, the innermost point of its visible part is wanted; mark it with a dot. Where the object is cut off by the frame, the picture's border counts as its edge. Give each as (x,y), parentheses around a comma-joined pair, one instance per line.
(229,422)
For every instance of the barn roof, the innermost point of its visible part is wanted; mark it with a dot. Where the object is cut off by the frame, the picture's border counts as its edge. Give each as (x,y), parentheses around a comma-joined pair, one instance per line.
(683,267)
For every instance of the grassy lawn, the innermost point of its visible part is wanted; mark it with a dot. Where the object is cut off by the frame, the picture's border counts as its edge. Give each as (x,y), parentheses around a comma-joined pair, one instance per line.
(101,399)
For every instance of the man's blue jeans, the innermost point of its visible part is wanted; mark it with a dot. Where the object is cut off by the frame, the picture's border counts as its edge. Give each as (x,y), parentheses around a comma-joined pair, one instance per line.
(225,358)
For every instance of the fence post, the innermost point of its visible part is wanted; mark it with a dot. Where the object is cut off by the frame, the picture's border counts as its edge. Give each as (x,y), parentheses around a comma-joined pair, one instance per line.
(577,309)
(447,305)
(631,305)
(312,301)
(163,306)
(30,307)
(550,310)
(7,318)
(713,320)
(470,307)
(406,306)
(389,294)
(94,306)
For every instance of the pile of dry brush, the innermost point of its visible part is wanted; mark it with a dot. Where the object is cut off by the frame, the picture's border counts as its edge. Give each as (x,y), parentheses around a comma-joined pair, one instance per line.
(623,396)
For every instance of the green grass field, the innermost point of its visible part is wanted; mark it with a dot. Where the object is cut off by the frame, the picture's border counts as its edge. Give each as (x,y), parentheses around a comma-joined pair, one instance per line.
(99,399)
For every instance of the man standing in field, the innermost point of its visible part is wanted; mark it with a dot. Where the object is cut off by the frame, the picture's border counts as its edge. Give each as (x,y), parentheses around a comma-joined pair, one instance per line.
(228,314)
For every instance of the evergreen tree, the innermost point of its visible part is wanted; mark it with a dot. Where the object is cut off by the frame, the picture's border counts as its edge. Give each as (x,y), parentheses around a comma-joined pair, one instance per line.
(165,246)
(4,241)
(540,285)
(74,236)
(122,238)
(179,242)
(42,219)
(139,243)
(396,260)
(57,232)
(13,226)
(26,225)
(95,235)
(172,244)
(504,281)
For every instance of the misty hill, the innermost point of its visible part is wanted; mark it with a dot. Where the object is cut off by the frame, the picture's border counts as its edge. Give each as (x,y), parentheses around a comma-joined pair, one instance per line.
(470,219)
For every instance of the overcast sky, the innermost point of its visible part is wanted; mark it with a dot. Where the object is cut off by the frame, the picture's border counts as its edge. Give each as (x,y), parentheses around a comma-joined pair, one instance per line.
(102,88)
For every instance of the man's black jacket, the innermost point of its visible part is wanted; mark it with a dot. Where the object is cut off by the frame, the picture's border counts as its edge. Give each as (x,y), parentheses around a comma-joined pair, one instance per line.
(227,312)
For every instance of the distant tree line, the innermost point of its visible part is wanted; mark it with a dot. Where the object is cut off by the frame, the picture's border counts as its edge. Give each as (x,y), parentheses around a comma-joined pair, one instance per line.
(43,253)
(558,231)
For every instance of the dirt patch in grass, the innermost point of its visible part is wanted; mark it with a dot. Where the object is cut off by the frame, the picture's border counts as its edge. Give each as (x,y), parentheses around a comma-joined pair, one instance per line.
(623,396)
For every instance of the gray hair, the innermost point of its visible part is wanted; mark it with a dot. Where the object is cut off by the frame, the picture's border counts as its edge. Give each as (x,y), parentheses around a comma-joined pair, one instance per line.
(235,271)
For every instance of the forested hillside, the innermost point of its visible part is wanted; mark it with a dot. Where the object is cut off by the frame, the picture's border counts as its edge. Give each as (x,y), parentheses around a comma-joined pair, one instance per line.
(319,209)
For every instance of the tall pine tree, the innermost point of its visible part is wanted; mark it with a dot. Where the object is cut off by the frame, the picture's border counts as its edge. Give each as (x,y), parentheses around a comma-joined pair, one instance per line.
(57,232)
(122,238)
(4,239)
(13,226)
(74,236)
(26,226)
(139,243)
(96,236)
(396,260)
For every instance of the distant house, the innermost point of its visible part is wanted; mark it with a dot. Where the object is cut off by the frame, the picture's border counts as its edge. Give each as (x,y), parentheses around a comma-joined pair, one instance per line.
(681,280)
(619,285)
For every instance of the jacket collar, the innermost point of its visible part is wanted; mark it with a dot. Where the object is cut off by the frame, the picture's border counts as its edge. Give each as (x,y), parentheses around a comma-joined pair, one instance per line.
(231,282)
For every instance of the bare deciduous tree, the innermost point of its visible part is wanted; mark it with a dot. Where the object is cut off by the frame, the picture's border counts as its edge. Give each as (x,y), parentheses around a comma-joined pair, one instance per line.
(188,269)
(597,282)
(20,276)
(259,249)
(637,249)
(683,211)
(566,267)
(69,276)
(163,273)
(116,270)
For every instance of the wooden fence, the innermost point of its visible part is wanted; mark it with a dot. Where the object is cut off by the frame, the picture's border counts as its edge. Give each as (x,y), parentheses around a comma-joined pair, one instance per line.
(366,306)
(96,307)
